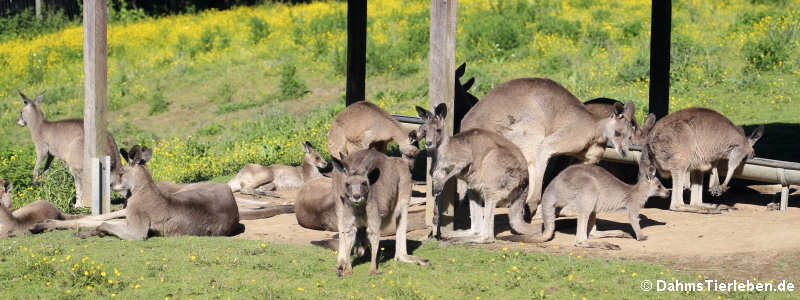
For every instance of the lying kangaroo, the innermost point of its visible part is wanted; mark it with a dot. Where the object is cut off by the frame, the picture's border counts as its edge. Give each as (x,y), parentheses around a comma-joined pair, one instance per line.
(372,190)
(585,190)
(207,209)
(363,125)
(692,141)
(62,139)
(278,177)
(22,220)
(543,119)
(603,107)
(493,168)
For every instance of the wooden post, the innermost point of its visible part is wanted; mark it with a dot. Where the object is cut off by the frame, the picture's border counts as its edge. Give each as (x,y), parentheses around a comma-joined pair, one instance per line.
(39,9)
(660,28)
(94,106)
(356,50)
(442,59)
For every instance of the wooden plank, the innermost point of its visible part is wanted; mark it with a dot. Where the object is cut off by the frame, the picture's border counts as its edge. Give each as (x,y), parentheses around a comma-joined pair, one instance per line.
(442,58)
(94,106)
(659,57)
(356,50)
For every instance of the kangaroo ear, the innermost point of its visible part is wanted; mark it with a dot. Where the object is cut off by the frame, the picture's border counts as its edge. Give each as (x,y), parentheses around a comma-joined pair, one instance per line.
(651,172)
(468,84)
(338,165)
(24,98)
(424,114)
(618,110)
(374,175)
(460,70)
(441,110)
(756,135)
(133,154)
(145,156)
(124,154)
(649,122)
(306,147)
(39,98)
(630,109)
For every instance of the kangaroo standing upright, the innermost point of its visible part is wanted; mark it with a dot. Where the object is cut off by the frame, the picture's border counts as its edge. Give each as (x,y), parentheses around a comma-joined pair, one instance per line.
(279,177)
(22,220)
(543,119)
(689,142)
(493,168)
(62,139)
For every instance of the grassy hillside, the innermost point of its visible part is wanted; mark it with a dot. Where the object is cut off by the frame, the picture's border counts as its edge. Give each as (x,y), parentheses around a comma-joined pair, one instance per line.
(215,90)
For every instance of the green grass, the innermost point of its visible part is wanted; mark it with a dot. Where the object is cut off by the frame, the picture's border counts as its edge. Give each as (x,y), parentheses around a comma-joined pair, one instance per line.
(52,265)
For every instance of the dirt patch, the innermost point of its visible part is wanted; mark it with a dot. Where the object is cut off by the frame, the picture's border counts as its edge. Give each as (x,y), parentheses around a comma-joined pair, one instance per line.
(741,244)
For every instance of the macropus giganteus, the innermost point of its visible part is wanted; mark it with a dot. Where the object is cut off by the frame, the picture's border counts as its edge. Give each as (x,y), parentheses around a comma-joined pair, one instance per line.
(22,220)
(603,107)
(278,177)
(584,190)
(62,139)
(493,168)
(363,125)
(372,190)
(691,141)
(207,209)
(543,119)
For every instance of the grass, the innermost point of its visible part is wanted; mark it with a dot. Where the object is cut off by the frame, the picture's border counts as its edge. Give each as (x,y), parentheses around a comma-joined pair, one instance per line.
(58,265)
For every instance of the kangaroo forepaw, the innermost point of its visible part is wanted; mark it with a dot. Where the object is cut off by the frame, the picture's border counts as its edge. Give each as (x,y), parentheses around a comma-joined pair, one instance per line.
(342,270)
(718,190)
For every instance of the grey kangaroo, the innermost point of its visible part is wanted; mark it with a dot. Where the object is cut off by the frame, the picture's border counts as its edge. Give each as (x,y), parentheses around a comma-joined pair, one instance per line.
(279,177)
(22,220)
(603,107)
(62,139)
(372,190)
(493,168)
(691,141)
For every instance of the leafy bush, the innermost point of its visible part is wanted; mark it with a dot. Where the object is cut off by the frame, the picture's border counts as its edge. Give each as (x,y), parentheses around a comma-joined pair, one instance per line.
(559,26)
(158,104)
(771,51)
(291,85)
(259,29)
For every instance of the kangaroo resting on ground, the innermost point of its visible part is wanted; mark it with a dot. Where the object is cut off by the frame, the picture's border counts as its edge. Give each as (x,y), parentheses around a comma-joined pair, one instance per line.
(208,209)
(493,168)
(585,190)
(372,190)
(363,125)
(691,141)
(62,139)
(22,220)
(543,119)
(278,177)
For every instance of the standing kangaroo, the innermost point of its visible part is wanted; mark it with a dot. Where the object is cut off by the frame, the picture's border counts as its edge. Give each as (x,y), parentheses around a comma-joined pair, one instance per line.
(585,190)
(22,220)
(493,168)
(689,142)
(371,191)
(208,209)
(543,119)
(363,125)
(62,139)
(279,177)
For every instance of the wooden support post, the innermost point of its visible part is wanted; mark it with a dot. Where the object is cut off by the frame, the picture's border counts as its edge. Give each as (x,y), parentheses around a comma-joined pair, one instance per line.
(38,9)
(442,59)
(94,106)
(660,28)
(356,50)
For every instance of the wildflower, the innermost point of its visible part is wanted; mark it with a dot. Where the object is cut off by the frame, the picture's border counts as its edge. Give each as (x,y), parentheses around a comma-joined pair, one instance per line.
(299,289)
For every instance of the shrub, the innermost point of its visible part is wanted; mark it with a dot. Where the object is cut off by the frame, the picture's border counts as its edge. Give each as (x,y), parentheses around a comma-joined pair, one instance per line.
(770,51)
(291,85)
(259,29)
(559,26)
(224,94)
(637,70)
(158,104)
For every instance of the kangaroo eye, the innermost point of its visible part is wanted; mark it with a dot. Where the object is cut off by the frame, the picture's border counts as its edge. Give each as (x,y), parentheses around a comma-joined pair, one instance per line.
(617,133)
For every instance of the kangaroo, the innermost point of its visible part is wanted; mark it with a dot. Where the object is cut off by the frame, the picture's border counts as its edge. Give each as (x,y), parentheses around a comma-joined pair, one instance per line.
(464,100)
(363,125)
(62,139)
(693,141)
(264,209)
(371,191)
(208,209)
(603,107)
(279,177)
(585,190)
(493,168)
(22,220)
(543,119)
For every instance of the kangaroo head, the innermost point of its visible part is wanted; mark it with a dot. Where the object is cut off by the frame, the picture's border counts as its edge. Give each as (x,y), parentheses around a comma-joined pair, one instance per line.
(433,128)
(358,176)
(745,149)
(640,132)
(461,91)
(31,110)
(312,157)
(5,193)
(653,184)
(619,127)
(130,174)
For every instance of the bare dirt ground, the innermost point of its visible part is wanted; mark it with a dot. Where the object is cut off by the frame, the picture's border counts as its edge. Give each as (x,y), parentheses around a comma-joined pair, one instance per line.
(748,242)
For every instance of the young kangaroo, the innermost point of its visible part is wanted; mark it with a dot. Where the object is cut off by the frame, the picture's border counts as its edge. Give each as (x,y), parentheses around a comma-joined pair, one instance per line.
(585,190)
(543,119)
(279,177)
(22,220)
(207,209)
(363,125)
(493,168)
(62,139)
(371,190)
(689,142)
(603,107)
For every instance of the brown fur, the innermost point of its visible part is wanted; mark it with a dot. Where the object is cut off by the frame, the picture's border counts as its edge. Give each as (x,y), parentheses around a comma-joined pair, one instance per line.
(363,125)
(62,139)
(543,119)
(371,191)
(278,177)
(22,220)
(689,142)
(603,107)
